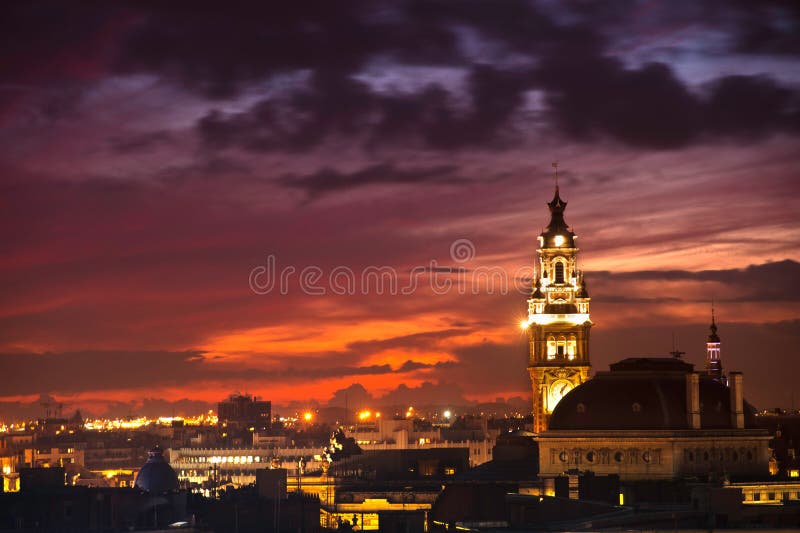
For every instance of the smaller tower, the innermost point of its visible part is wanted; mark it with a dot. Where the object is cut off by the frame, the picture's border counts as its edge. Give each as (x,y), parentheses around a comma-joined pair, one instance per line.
(713,360)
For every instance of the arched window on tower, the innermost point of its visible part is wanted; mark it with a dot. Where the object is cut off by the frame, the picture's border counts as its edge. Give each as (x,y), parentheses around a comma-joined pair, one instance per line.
(572,347)
(561,346)
(559,272)
(551,347)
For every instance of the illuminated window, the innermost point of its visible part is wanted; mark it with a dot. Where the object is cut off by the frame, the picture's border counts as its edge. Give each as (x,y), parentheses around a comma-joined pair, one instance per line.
(449,471)
(551,348)
(559,272)
(572,347)
(561,346)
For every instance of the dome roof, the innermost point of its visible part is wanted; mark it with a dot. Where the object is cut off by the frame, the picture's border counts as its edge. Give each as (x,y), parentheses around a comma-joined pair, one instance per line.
(156,476)
(558,226)
(644,393)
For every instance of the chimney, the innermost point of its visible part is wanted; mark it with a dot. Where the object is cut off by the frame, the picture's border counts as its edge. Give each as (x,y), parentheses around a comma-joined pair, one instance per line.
(693,400)
(737,399)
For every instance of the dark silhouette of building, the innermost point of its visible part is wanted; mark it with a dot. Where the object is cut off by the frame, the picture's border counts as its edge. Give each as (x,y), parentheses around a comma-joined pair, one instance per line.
(242,412)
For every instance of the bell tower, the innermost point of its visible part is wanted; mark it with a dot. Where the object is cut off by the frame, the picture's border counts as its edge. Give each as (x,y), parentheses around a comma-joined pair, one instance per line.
(558,317)
(713,359)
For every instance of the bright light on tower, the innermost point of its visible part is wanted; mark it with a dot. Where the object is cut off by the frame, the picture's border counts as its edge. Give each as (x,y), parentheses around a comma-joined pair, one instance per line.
(523,324)
(448,414)
(559,240)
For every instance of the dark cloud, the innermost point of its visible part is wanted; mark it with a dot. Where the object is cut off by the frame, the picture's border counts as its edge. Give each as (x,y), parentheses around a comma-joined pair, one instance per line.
(218,52)
(102,370)
(504,50)
(751,106)
(767,27)
(328,180)
(139,142)
(774,281)
(356,396)
(424,340)
(587,95)
(428,393)
(334,104)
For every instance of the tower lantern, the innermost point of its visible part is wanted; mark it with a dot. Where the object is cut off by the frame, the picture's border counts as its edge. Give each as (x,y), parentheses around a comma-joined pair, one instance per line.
(558,318)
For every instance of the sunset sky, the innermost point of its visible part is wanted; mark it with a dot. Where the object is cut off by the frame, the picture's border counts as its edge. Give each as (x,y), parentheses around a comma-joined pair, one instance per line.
(153,154)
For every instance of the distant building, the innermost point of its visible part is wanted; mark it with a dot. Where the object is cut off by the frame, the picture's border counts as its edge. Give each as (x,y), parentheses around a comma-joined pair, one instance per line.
(243,412)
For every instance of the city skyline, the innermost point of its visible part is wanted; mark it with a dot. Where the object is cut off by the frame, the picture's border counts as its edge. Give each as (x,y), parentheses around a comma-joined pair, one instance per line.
(153,159)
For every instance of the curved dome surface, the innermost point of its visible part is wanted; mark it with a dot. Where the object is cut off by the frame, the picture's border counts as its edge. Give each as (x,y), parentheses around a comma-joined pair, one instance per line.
(156,476)
(644,393)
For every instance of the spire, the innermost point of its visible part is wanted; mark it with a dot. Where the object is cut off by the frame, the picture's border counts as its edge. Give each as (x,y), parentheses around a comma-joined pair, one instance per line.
(557,234)
(713,359)
(555,175)
(713,337)
(557,205)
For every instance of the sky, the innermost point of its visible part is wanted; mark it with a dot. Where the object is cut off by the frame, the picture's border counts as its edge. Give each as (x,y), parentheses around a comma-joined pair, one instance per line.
(308,201)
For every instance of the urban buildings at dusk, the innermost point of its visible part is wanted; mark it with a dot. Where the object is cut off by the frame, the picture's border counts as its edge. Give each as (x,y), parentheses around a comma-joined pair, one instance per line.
(310,267)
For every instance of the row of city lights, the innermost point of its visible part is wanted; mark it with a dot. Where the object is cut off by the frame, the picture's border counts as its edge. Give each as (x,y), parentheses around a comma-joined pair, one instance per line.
(205,419)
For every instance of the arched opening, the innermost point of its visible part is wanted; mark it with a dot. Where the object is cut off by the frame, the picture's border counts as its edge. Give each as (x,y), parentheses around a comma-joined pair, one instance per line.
(559,272)
(572,347)
(561,346)
(551,347)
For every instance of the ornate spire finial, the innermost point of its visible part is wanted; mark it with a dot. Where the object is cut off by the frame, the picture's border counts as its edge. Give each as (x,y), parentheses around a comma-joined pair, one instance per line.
(713,321)
(713,337)
(555,174)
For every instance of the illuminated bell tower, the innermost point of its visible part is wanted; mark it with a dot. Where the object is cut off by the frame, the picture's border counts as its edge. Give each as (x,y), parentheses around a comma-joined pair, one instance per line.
(558,318)
(713,360)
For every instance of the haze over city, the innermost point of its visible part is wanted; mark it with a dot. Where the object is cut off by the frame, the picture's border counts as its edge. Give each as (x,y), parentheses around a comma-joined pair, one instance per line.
(154,160)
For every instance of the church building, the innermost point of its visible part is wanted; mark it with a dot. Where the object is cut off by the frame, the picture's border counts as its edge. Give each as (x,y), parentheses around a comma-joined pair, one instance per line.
(558,318)
(644,418)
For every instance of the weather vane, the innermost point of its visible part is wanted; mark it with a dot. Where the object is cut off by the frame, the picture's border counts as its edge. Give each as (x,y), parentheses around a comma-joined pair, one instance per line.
(555,173)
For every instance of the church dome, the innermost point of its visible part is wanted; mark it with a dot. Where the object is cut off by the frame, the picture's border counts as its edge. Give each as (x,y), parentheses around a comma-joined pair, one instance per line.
(648,394)
(156,476)
(557,234)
